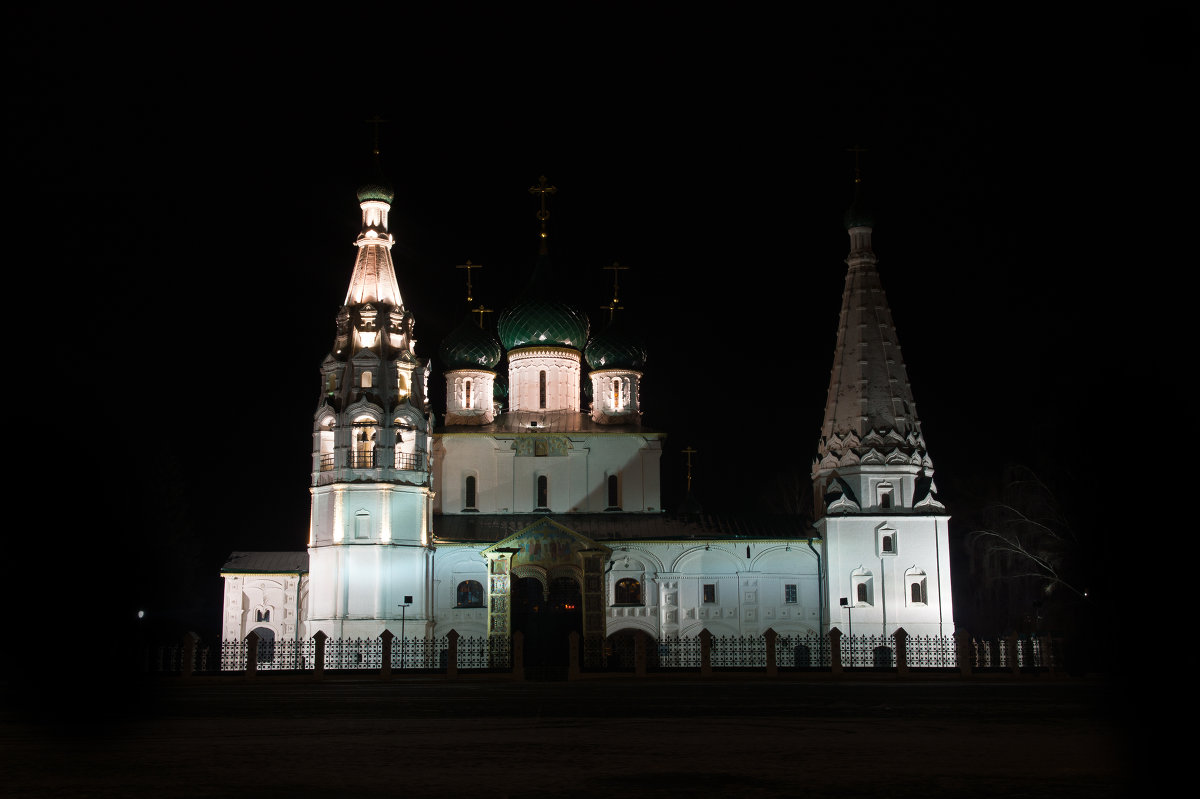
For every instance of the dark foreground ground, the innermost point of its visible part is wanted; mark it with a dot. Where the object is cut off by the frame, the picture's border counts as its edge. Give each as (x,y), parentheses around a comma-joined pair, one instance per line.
(727,736)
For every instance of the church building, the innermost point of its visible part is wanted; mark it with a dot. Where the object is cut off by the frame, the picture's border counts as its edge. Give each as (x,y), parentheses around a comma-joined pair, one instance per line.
(532,508)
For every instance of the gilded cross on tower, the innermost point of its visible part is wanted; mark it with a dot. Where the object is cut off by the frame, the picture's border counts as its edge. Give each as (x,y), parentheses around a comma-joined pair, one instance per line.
(375,122)
(542,189)
(856,150)
(689,452)
(615,305)
(481,311)
(469,266)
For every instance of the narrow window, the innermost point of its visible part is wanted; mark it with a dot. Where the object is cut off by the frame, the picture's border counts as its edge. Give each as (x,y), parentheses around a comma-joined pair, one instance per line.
(470,594)
(542,389)
(467,398)
(616,394)
(710,593)
(366,379)
(330,383)
(628,592)
(862,592)
(887,543)
(916,592)
(612,491)
(542,492)
(470,493)
(789,594)
(362,524)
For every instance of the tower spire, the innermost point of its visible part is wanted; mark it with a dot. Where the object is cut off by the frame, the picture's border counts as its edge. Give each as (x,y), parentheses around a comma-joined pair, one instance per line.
(870,415)
(541,189)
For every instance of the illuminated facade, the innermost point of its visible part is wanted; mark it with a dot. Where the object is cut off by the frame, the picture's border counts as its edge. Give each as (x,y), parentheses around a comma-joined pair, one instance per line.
(546,517)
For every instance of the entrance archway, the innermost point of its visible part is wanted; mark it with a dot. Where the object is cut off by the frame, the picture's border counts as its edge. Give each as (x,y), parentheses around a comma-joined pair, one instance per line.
(547,617)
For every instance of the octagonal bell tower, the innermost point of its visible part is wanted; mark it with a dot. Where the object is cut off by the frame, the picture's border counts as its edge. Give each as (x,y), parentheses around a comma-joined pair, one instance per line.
(370,531)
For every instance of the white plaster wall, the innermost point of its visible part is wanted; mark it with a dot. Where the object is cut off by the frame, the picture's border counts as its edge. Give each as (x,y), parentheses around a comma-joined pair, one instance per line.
(851,543)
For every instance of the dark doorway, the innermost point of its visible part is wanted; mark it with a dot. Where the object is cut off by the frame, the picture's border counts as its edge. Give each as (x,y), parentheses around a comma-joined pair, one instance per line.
(547,623)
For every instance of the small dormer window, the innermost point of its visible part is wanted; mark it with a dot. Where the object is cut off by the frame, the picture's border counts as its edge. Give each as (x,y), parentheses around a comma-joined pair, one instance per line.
(885,495)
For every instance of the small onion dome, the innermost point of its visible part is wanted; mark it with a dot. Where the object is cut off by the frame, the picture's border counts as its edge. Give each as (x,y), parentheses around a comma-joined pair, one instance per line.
(376,190)
(618,347)
(468,346)
(859,213)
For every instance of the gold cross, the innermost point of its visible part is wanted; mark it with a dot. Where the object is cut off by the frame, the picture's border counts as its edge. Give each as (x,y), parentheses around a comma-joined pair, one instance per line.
(542,189)
(376,121)
(617,269)
(856,150)
(469,266)
(689,452)
(481,311)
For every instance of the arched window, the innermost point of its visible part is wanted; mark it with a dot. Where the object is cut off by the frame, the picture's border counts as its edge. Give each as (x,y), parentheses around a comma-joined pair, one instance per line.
(543,492)
(542,389)
(366,379)
(469,493)
(613,498)
(262,614)
(887,543)
(470,594)
(468,397)
(628,592)
(362,524)
(916,593)
(862,592)
(616,394)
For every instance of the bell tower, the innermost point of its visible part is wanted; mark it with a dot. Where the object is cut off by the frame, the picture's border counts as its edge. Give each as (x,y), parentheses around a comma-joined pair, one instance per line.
(371,528)
(885,532)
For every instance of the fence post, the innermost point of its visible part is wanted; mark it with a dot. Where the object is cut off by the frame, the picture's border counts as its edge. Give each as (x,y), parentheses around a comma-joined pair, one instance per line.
(319,655)
(251,654)
(1014,662)
(188,666)
(452,655)
(705,653)
(385,668)
(963,650)
(901,650)
(772,667)
(835,651)
(639,653)
(518,655)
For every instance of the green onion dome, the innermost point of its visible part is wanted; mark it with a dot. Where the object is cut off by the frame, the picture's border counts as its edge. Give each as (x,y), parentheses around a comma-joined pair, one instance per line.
(381,191)
(538,320)
(859,213)
(500,388)
(469,346)
(618,347)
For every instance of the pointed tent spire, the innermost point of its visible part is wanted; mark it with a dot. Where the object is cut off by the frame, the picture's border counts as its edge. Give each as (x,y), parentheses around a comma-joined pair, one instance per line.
(868,385)
(374,277)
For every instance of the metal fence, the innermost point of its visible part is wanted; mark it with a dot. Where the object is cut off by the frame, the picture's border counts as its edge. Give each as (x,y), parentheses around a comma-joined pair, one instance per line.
(619,653)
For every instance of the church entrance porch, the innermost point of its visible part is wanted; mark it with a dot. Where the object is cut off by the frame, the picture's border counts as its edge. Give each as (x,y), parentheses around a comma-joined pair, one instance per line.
(546,616)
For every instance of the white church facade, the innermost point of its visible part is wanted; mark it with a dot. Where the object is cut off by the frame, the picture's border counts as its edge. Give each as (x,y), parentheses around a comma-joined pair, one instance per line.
(532,512)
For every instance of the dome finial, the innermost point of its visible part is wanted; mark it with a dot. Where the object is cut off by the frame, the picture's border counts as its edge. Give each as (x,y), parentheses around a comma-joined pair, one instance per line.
(857,171)
(615,305)
(542,189)
(377,186)
(481,311)
(859,213)
(469,266)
